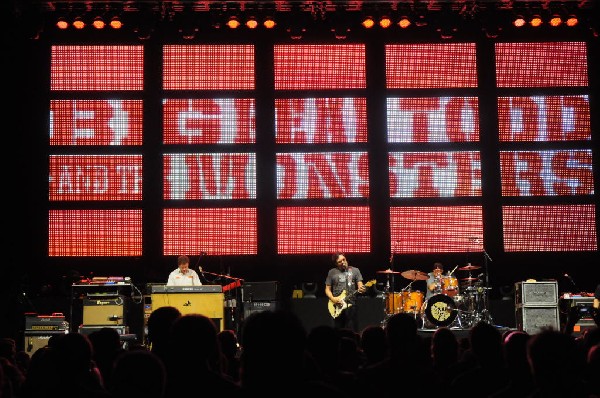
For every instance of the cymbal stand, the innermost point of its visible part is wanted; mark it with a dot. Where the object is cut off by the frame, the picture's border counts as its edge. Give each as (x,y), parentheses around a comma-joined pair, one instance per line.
(385,297)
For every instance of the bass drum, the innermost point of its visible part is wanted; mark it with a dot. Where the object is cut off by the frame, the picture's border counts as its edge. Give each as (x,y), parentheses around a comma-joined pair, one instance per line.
(440,310)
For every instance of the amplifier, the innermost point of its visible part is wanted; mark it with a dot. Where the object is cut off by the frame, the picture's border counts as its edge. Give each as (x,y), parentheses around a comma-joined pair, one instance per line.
(251,307)
(121,330)
(40,323)
(34,340)
(261,291)
(536,293)
(104,311)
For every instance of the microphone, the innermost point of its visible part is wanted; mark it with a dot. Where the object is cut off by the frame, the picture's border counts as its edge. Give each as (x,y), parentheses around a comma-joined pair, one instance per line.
(571,279)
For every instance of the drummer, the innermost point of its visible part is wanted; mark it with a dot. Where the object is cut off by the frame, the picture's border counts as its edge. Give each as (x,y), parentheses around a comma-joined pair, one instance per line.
(434,280)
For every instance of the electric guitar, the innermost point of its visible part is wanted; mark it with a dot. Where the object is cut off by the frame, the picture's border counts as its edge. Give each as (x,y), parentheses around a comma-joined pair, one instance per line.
(336,309)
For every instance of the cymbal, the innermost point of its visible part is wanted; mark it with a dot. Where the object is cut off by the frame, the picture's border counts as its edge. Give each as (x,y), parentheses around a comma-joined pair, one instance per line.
(414,275)
(469,267)
(388,271)
(468,279)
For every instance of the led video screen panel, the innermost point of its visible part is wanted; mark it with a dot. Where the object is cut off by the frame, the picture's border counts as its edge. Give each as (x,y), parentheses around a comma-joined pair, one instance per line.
(544,118)
(216,231)
(94,233)
(547,173)
(321,229)
(431,65)
(95,177)
(96,122)
(322,175)
(436,229)
(208,67)
(209,176)
(320,120)
(549,228)
(209,121)
(434,174)
(319,66)
(97,68)
(544,64)
(433,119)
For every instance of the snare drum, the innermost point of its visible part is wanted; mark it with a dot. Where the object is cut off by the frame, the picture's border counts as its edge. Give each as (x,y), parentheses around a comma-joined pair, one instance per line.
(393,303)
(440,310)
(449,286)
(412,302)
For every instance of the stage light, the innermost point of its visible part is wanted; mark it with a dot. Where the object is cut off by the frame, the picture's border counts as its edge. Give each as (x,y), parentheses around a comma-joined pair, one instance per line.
(116,22)
(368,22)
(233,23)
(536,21)
(555,20)
(269,23)
(251,23)
(404,22)
(385,22)
(78,23)
(61,23)
(98,23)
(519,21)
(571,21)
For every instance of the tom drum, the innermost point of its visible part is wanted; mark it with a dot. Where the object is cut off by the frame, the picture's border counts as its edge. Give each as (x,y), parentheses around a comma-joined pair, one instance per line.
(449,286)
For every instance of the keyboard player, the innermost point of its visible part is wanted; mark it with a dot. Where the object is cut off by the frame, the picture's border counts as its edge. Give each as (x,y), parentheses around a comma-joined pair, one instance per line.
(183,275)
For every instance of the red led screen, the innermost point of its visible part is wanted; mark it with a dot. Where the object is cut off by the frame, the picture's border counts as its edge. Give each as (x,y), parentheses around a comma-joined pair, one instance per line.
(96,122)
(542,173)
(221,231)
(544,118)
(437,119)
(216,176)
(549,228)
(209,121)
(310,230)
(319,66)
(445,65)
(436,229)
(95,177)
(558,64)
(434,174)
(91,233)
(102,68)
(322,175)
(320,120)
(208,67)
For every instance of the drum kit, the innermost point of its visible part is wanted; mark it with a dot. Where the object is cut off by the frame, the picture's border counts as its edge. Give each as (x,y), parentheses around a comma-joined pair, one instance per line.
(456,302)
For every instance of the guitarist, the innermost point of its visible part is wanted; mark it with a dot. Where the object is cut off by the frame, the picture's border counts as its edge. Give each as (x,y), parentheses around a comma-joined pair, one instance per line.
(344,278)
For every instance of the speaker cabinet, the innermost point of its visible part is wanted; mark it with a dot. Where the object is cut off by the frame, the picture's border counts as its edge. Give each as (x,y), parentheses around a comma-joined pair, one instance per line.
(543,294)
(104,311)
(209,304)
(534,319)
(261,291)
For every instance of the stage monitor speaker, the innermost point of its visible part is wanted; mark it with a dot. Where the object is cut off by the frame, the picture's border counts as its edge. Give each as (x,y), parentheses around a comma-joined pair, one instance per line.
(261,291)
(104,311)
(535,319)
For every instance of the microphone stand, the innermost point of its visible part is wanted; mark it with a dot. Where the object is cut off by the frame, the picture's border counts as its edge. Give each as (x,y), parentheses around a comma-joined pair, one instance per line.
(487,316)
(230,302)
